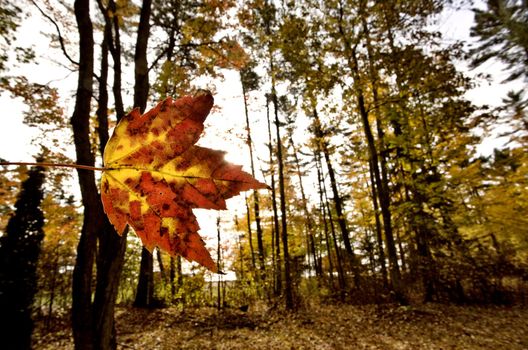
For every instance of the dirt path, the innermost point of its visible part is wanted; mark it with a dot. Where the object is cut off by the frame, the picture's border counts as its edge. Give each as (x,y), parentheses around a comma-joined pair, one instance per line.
(429,326)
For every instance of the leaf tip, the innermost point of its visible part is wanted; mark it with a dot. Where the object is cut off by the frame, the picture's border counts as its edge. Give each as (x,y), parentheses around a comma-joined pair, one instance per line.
(202,103)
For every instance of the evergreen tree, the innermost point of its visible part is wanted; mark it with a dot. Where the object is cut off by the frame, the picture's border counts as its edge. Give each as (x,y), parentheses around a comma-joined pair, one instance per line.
(19,252)
(502,31)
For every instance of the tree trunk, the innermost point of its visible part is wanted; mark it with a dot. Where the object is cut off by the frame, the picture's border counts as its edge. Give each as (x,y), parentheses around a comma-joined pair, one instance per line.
(110,256)
(308,217)
(339,258)
(219,265)
(383,192)
(338,203)
(163,272)
(374,78)
(276,233)
(53,286)
(116,56)
(110,260)
(102,107)
(179,279)
(383,198)
(82,317)
(288,290)
(141,78)
(320,180)
(250,235)
(379,235)
(145,287)
(172,276)
(256,204)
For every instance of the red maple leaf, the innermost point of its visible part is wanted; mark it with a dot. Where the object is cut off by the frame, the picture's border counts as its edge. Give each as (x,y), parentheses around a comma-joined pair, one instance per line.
(155,175)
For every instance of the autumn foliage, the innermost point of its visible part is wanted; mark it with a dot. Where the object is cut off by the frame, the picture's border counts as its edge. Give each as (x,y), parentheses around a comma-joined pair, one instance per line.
(155,175)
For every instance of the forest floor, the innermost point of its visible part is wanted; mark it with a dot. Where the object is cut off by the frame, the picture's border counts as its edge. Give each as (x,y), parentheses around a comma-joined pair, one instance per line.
(428,326)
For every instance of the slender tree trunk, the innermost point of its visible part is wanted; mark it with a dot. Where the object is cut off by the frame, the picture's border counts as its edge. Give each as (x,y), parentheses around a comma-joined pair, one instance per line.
(110,260)
(141,85)
(219,265)
(172,276)
(163,272)
(338,203)
(284,225)
(241,255)
(256,201)
(374,78)
(145,287)
(110,256)
(308,217)
(384,199)
(53,286)
(250,236)
(115,50)
(379,235)
(339,258)
(179,280)
(102,107)
(323,214)
(383,192)
(402,252)
(82,317)
(268,22)
(278,267)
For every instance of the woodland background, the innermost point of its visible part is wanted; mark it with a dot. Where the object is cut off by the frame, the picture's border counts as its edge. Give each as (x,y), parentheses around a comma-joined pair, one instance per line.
(354,112)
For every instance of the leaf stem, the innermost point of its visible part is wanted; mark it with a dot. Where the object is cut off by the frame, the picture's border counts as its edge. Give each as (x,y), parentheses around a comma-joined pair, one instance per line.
(56,165)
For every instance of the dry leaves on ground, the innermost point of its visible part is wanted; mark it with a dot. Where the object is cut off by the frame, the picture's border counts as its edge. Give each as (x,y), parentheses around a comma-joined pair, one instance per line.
(430,326)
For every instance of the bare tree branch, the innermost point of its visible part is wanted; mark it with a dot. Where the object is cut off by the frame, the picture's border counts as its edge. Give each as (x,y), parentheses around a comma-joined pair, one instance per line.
(61,39)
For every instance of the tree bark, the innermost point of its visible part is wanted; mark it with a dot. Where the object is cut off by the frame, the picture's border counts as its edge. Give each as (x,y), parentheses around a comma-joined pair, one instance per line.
(276,231)
(145,287)
(141,84)
(110,261)
(379,234)
(163,272)
(82,318)
(172,275)
(250,236)
(323,214)
(256,204)
(219,265)
(288,287)
(111,253)
(102,107)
